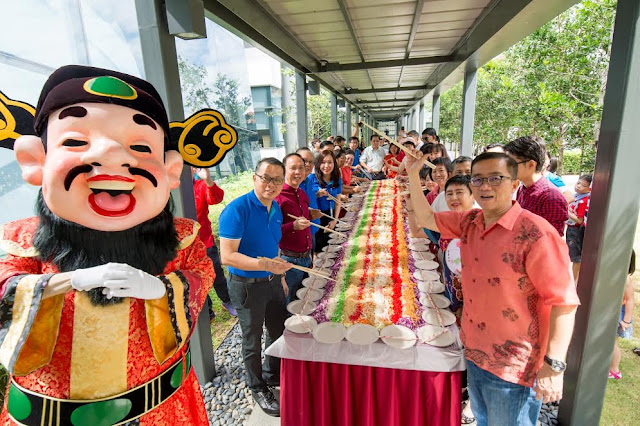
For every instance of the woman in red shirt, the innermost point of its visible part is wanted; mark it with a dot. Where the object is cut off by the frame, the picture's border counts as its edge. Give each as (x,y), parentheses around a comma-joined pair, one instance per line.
(391,159)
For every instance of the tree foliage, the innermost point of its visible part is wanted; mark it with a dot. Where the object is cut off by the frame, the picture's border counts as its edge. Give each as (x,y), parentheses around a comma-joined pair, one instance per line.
(550,84)
(319,110)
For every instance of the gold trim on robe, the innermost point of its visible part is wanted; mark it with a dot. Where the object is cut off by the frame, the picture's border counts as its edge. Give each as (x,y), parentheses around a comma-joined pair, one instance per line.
(99,348)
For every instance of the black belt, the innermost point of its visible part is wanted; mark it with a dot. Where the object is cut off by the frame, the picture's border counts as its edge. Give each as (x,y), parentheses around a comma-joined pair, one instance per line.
(296,254)
(251,280)
(29,408)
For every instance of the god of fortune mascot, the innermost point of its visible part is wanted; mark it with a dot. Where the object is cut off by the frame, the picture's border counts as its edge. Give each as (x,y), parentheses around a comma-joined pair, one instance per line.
(100,292)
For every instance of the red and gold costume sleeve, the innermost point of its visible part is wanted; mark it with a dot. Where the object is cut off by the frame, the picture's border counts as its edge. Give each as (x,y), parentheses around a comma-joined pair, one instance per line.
(172,318)
(29,324)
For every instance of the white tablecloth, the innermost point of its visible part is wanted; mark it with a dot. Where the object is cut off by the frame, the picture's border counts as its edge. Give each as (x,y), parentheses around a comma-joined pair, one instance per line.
(420,357)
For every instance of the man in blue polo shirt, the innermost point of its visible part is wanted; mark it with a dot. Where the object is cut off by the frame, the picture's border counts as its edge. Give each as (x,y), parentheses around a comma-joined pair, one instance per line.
(250,231)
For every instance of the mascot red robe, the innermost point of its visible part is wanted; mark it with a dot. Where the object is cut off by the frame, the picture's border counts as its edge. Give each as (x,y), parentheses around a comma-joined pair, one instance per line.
(101,291)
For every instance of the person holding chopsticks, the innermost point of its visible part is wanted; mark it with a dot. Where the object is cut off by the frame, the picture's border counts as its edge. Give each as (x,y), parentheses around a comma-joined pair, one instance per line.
(327,186)
(250,231)
(295,245)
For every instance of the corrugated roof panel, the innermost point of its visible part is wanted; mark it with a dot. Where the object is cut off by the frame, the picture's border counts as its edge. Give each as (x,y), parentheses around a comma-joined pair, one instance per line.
(286,7)
(456,15)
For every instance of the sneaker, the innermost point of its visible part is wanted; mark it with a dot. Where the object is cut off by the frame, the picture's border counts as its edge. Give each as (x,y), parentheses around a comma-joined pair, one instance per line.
(267,402)
(614,375)
(229,307)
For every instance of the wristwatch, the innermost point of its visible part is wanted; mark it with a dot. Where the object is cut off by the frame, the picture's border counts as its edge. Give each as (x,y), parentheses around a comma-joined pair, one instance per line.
(557,366)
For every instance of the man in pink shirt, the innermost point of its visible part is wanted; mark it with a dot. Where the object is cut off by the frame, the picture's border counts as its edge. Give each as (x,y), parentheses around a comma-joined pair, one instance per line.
(519,296)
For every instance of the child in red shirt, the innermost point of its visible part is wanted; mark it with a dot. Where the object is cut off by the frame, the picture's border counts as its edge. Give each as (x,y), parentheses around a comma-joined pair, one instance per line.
(575,230)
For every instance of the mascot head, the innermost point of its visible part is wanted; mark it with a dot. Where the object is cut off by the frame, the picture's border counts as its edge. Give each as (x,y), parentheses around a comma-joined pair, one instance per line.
(100,145)
(101,151)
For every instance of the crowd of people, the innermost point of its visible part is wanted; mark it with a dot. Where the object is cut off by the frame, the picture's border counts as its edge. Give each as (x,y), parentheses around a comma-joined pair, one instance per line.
(505,228)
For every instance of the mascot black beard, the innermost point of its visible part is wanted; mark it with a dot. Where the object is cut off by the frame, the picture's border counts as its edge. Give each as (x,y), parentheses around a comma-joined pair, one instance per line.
(101,291)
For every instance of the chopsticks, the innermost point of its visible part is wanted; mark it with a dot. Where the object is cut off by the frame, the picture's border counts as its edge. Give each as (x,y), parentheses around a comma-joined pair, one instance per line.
(303,269)
(399,145)
(319,226)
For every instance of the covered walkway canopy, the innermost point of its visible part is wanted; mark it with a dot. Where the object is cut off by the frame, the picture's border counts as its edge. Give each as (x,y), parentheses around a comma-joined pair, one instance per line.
(384,60)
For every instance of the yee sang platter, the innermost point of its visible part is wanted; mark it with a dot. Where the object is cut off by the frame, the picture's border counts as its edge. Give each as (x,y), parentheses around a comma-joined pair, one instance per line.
(384,284)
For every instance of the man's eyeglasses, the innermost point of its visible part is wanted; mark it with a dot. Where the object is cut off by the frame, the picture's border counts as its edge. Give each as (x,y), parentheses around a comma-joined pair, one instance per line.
(491,180)
(306,163)
(268,179)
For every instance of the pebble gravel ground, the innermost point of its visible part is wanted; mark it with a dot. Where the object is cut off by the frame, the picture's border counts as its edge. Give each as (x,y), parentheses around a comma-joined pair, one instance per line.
(228,399)
(548,414)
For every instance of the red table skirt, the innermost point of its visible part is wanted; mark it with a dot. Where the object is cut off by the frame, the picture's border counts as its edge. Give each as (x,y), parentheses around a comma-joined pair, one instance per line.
(319,393)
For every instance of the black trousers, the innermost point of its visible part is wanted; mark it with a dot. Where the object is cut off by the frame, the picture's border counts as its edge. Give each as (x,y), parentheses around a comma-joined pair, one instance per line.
(219,282)
(258,304)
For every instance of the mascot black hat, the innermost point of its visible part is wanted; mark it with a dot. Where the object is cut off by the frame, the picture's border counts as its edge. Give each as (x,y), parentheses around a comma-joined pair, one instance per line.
(74,84)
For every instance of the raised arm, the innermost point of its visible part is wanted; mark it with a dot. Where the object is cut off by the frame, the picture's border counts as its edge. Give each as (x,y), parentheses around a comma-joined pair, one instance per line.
(424,214)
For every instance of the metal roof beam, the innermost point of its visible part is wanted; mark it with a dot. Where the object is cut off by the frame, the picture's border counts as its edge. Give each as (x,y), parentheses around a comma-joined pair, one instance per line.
(347,19)
(386,89)
(368,65)
(385,101)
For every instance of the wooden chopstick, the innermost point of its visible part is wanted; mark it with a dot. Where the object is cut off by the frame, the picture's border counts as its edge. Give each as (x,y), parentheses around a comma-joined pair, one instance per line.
(331,217)
(303,269)
(320,226)
(399,145)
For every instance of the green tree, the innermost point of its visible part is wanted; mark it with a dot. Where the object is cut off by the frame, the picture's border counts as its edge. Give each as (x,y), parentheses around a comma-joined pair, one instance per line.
(319,109)
(196,94)
(228,100)
(551,84)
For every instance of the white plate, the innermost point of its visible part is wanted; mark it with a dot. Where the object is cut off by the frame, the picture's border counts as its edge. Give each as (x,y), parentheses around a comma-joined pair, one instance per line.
(431,317)
(426,255)
(398,336)
(431,286)
(326,255)
(426,264)
(416,240)
(311,294)
(418,247)
(329,332)
(331,249)
(301,307)
(300,324)
(314,282)
(362,334)
(323,263)
(424,275)
(435,335)
(439,300)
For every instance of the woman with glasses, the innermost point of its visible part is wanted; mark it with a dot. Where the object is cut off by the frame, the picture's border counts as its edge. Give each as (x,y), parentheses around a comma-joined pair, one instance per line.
(327,184)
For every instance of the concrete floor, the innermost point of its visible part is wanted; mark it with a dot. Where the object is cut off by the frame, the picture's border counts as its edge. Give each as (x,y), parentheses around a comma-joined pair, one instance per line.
(259,418)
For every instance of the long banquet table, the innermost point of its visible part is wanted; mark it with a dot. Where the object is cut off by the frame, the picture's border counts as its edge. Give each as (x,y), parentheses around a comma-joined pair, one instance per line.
(343,384)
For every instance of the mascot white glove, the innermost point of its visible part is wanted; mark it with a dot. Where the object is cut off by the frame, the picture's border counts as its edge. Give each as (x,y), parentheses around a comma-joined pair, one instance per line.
(118,280)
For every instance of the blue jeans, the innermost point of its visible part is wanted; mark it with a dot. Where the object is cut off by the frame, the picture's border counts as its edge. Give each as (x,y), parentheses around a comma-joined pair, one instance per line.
(294,277)
(497,402)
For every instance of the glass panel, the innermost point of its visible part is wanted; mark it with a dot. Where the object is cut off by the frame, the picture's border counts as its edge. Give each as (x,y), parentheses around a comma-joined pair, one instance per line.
(42,35)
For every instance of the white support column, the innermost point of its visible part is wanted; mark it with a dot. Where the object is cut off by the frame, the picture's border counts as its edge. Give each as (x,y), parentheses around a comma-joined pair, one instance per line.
(435,112)
(334,115)
(301,108)
(468,112)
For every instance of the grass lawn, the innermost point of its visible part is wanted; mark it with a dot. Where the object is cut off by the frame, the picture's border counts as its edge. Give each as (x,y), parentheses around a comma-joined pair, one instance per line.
(622,396)
(234,186)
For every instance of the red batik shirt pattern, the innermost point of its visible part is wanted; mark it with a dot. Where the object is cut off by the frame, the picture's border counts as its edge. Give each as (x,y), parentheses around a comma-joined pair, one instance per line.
(513,273)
